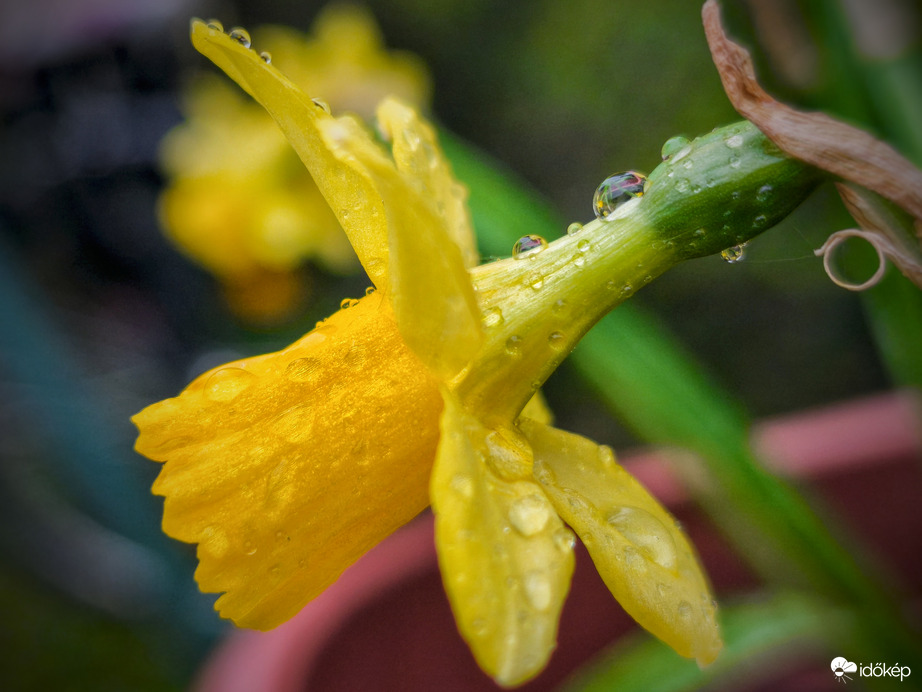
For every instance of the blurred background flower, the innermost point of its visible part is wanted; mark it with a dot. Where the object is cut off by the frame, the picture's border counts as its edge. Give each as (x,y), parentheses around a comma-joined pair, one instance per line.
(99,315)
(239,201)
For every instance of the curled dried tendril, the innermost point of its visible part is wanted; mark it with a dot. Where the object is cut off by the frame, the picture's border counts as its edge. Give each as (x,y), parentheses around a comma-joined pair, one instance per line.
(827,252)
(836,147)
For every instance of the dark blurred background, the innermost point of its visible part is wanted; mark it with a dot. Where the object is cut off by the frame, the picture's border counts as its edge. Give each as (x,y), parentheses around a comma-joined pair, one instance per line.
(100,315)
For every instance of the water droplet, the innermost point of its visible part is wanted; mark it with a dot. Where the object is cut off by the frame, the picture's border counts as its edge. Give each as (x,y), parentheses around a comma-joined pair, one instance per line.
(615,191)
(682,185)
(215,24)
(564,539)
(492,317)
(574,227)
(734,162)
(303,369)
(322,105)
(557,340)
(684,610)
(764,193)
(673,146)
(241,36)
(579,260)
(348,303)
(530,514)
(700,233)
(538,590)
(661,589)
(266,57)
(760,221)
(543,473)
(227,383)
(249,548)
(583,245)
(369,290)
(688,165)
(647,533)
(536,281)
(734,141)
(559,307)
(463,485)
(633,559)
(734,254)
(735,195)
(514,345)
(627,290)
(527,245)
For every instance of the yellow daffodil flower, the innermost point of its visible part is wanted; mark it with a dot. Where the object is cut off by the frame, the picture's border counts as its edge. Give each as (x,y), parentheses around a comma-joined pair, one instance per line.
(285,468)
(239,202)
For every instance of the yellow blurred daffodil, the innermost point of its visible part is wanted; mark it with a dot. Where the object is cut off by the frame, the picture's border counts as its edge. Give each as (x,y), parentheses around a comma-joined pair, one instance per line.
(238,200)
(285,468)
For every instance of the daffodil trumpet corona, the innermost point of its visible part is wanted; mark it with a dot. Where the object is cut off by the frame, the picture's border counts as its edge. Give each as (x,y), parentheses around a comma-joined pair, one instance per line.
(285,468)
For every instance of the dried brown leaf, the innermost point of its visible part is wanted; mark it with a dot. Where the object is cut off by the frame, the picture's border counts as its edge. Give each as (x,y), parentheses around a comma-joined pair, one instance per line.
(815,138)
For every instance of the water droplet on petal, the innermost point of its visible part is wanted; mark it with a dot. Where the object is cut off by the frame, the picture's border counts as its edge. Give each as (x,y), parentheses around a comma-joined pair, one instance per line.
(535,281)
(530,514)
(647,533)
(564,539)
(543,473)
(734,162)
(266,57)
(556,340)
(673,145)
(514,345)
(369,290)
(764,193)
(348,303)
(734,141)
(583,245)
(734,254)
(760,221)
(684,610)
(528,244)
(322,105)
(559,307)
(241,36)
(225,384)
(538,590)
(615,191)
(249,548)
(215,24)
(492,317)
(574,227)
(633,560)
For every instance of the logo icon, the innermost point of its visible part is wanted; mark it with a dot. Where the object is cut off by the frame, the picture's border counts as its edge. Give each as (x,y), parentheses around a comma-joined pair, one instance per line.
(840,667)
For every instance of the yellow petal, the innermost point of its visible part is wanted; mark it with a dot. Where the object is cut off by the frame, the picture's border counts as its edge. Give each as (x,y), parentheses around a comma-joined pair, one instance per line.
(339,170)
(285,468)
(505,556)
(418,154)
(640,552)
(430,287)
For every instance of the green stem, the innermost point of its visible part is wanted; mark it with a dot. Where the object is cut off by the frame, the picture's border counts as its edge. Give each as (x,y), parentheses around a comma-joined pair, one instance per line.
(653,386)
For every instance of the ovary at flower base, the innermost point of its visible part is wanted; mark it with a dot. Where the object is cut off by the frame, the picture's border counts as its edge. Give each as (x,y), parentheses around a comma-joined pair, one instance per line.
(238,201)
(285,468)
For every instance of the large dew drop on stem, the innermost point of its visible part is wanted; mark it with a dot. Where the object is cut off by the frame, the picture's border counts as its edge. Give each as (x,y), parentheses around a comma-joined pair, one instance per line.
(616,190)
